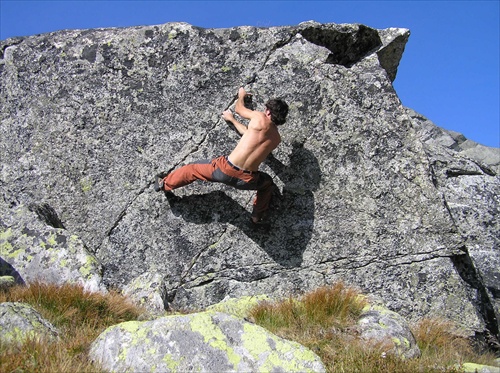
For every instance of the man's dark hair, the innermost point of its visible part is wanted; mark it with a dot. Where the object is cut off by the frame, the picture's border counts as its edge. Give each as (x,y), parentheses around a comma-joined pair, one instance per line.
(278,109)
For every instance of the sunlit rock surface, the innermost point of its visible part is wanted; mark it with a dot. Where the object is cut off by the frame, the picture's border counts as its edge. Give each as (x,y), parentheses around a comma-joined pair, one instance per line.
(88,117)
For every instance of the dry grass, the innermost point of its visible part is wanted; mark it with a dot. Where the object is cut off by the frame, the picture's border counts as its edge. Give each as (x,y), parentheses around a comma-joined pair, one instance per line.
(80,317)
(440,340)
(336,306)
(435,335)
(323,321)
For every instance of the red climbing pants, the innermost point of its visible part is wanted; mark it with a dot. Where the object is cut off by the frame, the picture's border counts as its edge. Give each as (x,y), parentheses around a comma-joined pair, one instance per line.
(221,170)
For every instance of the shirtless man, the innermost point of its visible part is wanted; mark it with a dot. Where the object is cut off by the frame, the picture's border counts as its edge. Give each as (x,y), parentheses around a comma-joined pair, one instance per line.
(241,168)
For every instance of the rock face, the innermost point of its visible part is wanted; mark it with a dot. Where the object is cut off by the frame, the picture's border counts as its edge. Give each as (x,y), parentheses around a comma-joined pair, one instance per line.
(88,117)
(203,342)
(485,157)
(466,174)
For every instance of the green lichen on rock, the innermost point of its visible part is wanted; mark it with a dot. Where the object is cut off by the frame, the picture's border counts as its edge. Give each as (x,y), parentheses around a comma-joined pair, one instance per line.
(479,368)
(213,335)
(206,341)
(51,239)
(20,321)
(381,325)
(171,363)
(5,245)
(269,350)
(88,268)
(239,307)
(86,185)
(5,234)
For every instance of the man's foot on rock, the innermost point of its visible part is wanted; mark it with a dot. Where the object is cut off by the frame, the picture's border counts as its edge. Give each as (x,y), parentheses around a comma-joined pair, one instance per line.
(159,181)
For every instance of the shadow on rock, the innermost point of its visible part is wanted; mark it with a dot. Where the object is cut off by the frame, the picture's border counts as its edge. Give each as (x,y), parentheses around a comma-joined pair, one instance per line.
(291,213)
(6,269)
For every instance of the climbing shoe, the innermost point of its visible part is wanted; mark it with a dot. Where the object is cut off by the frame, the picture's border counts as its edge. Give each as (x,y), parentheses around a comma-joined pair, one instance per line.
(159,181)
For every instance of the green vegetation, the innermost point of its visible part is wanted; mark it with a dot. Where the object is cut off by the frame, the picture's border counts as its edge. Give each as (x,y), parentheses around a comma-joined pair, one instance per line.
(86,184)
(322,320)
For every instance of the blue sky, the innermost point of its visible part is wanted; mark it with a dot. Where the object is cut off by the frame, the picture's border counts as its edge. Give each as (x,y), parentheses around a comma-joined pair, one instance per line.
(449,71)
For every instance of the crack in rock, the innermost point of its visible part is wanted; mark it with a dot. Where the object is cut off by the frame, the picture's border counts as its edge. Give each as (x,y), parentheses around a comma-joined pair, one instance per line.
(468,272)
(121,216)
(123,212)
(275,47)
(194,260)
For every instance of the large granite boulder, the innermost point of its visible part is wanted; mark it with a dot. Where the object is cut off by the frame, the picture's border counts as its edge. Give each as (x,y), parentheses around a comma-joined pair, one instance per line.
(88,117)
(202,342)
(34,249)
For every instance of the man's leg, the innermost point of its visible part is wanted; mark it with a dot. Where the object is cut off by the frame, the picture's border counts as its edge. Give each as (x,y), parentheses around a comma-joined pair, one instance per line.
(265,188)
(225,173)
(200,170)
(218,170)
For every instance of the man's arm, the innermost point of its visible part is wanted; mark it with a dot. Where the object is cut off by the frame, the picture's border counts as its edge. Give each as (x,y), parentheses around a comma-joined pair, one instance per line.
(240,107)
(228,116)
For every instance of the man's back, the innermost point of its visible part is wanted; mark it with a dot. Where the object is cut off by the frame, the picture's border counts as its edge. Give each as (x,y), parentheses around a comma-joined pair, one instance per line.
(260,139)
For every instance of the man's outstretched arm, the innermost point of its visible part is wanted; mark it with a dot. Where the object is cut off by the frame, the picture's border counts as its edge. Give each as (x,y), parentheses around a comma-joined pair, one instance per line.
(228,116)
(240,107)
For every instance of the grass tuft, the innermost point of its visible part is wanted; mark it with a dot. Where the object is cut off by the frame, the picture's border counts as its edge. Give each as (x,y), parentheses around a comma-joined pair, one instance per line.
(80,316)
(324,321)
(441,340)
(336,306)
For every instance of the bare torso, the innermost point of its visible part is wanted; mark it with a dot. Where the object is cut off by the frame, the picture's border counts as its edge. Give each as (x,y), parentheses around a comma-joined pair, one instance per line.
(260,139)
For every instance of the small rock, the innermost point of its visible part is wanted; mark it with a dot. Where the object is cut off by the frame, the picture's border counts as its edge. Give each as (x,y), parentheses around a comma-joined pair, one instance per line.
(19,321)
(147,291)
(6,282)
(380,325)
(479,368)
(31,250)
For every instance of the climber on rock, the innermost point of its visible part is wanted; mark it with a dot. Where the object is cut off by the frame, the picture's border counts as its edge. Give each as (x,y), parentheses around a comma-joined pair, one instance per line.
(240,169)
